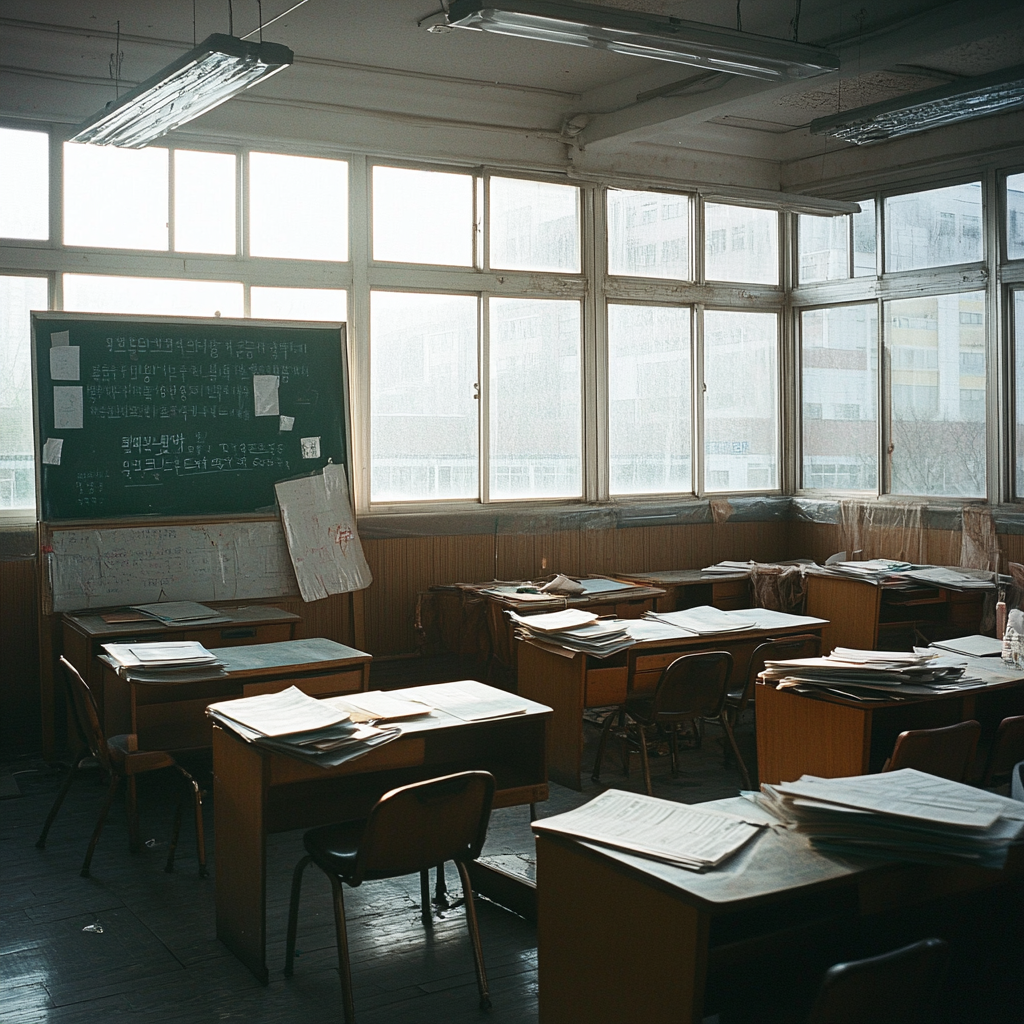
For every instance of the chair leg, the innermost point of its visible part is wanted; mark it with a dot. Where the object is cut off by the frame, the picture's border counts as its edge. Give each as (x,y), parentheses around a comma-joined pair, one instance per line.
(674,748)
(605,729)
(178,810)
(51,817)
(643,758)
(197,804)
(293,917)
(425,914)
(131,806)
(736,750)
(474,934)
(343,965)
(115,781)
(441,888)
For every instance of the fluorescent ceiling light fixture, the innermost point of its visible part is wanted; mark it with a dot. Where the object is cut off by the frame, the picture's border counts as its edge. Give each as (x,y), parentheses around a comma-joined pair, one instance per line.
(960,101)
(217,69)
(646,35)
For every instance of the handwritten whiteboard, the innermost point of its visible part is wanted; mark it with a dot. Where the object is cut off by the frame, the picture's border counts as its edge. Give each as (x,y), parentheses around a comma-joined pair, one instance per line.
(99,568)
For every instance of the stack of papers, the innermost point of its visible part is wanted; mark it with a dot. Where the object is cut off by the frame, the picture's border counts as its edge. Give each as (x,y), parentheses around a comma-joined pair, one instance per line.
(975,646)
(475,702)
(902,815)
(845,672)
(689,837)
(181,660)
(378,706)
(729,567)
(705,620)
(890,573)
(574,630)
(179,613)
(950,579)
(301,726)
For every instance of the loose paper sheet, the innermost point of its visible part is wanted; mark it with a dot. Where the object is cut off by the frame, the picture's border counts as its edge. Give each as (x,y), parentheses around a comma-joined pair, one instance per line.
(310,447)
(286,423)
(51,451)
(60,338)
(64,362)
(321,533)
(67,408)
(265,394)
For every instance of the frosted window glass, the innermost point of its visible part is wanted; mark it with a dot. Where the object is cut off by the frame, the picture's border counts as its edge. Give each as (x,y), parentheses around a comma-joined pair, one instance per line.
(423,413)
(534,225)
(936,351)
(422,217)
(93,293)
(24,185)
(535,399)
(741,244)
(298,304)
(648,234)
(115,198)
(1015,216)
(1018,356)
(936,228)
(824,248)
(741,419)
(204,202)
(18,296)
(298,207)
(649,399)
(839,397)
(864,245)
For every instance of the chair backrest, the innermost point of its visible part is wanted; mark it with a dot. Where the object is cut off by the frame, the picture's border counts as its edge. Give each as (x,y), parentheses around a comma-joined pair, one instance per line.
(1007,749)
(693,685)
(85,714)
(806,645)
(895,988)
(421,825)
(946,752)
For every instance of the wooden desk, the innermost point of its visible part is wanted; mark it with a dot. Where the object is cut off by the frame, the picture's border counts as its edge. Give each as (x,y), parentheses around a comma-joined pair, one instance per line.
(257,792)
(831,737)
(865,617)
(620,938)
(568,685)
(84,634)
(688,588)
(172,716)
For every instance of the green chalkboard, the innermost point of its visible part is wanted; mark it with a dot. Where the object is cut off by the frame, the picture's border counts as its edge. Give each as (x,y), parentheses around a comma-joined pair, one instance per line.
(163,416)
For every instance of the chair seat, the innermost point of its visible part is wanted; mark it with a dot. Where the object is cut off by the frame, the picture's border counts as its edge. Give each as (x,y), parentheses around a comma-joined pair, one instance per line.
(334,847)
(136,762)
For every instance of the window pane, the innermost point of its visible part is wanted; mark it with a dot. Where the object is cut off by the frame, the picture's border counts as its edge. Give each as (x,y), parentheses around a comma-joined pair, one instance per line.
(864,262)
(649,399)
(115,198)
(839,391)
(936,349)
(424,418)
(741,244)
(204,202)
(534,225)
(298,207)
(1018,364)
(298,304)
(824,248)
(648,234)
(422,217)
(24,186)
(741,422)
(1015,216)
(91,293)
(18,296)
(933,229)
(535,408)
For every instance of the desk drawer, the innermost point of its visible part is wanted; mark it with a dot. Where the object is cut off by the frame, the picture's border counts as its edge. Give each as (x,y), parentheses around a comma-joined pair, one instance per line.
(731,594)
(605,686)
(349,681)
(241,634)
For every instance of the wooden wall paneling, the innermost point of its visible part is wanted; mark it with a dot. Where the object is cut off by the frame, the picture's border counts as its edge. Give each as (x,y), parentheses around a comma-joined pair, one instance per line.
(20,691)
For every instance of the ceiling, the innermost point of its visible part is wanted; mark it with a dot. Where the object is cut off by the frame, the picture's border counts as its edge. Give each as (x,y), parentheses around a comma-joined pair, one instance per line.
(369,76)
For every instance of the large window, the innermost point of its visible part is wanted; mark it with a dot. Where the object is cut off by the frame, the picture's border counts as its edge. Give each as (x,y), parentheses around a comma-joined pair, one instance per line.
(24,184)
(534,225)
(648,234)
(741,244)
(937,228)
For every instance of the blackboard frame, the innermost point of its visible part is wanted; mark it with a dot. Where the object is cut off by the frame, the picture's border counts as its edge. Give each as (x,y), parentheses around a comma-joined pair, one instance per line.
(247,501)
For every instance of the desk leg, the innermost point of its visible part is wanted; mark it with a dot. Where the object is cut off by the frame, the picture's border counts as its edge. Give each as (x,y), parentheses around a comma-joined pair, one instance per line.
(558,682)
(802,736)
(241,858)
(612,949)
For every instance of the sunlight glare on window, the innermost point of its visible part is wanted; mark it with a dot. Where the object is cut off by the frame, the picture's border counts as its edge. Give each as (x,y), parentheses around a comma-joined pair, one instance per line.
(24,185)
(534,225)
(95,293)
(204,202)
(328,304)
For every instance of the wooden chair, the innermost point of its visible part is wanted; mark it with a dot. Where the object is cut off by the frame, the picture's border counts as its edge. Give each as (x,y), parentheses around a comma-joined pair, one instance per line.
(410,829)
(120,758)
(690,690)
(1007,750)
(804,646)
(946,752)
(894,988)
